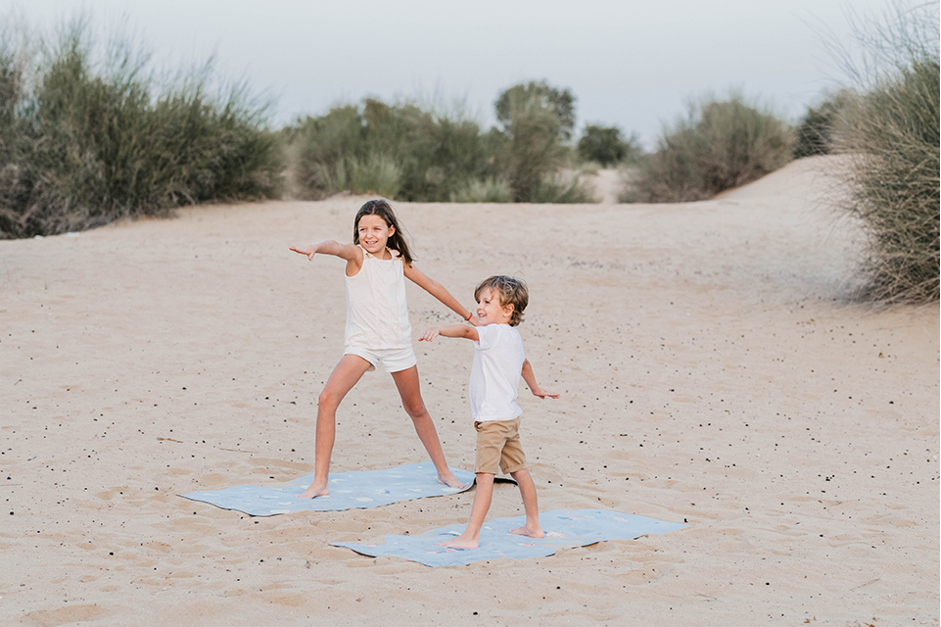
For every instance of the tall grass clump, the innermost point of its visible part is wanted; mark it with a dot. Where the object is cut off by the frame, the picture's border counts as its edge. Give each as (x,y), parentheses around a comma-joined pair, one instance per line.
(89,137)
(892,138)
(377,174)
(490,190)
(563,188)
(719,145)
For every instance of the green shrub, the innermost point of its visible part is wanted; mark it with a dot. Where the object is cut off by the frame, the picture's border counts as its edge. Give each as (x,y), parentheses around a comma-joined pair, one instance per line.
(323,146)
(15,183)
(437,155)
(89,143)
(892,136)
(814,135)
(605,145)
(718,146)
(434,153)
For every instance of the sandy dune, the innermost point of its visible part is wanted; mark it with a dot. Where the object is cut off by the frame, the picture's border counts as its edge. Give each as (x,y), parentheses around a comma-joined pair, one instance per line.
(711,367)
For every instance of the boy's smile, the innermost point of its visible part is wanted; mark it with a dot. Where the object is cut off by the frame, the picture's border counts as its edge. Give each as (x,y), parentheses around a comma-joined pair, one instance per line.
(489,309)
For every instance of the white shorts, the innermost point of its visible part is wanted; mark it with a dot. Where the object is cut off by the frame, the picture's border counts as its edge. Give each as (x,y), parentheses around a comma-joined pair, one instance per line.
(392,359)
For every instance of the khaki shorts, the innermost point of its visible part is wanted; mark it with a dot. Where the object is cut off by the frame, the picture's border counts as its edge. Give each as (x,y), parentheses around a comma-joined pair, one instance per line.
(498,444)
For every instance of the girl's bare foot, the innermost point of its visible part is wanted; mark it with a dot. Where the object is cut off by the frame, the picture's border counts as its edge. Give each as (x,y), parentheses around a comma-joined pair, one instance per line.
(535,532)
(451,481)
(460,543)
(314,491)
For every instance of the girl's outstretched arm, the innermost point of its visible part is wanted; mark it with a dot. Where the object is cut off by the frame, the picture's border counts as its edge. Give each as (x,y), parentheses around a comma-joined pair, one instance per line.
(437,290)
(352,254)
(530,378)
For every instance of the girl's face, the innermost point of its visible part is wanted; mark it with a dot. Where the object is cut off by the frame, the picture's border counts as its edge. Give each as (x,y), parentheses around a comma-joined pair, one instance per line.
(374,233)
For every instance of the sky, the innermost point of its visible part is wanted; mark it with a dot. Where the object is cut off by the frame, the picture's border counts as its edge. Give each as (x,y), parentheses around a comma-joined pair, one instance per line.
(631,64)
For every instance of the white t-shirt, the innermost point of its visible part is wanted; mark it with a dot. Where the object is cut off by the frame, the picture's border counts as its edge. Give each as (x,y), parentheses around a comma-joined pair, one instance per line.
(495,375)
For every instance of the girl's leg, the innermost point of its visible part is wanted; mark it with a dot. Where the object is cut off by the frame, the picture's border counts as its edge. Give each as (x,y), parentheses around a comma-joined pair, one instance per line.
(528,491)
(470,539)
(409,389)
(350,369)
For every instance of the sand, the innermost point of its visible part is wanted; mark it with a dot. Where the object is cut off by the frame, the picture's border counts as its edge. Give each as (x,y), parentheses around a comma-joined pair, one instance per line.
(712,369)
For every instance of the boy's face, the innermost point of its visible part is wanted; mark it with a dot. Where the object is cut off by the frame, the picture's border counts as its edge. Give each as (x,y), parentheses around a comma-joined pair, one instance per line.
(489,309)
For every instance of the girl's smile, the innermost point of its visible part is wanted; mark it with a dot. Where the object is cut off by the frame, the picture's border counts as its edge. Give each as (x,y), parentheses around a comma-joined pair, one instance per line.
(374,234)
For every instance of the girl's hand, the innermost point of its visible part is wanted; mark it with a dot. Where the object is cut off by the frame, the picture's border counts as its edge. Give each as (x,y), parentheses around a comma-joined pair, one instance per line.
(543,394)
(474,321)
(309,251)
(429,335)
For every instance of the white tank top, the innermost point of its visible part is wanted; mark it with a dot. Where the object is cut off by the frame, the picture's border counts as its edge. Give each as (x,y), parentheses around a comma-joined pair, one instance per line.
(376,311)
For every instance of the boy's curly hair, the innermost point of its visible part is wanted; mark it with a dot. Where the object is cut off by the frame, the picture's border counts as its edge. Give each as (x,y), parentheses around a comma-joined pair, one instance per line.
(510,291)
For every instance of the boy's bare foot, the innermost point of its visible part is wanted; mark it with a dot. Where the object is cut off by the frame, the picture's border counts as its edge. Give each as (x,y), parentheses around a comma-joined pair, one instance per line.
(314,491)
(451,481)
(460,543)
(526,531)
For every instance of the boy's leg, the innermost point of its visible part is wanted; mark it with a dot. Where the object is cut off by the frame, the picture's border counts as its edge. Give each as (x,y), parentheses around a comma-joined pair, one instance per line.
(350,369)
(409,388)
(470,539)
(530,504)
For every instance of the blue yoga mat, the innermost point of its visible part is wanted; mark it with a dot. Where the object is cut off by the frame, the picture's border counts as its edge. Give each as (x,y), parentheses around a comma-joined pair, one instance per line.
(348,490)
(563,529)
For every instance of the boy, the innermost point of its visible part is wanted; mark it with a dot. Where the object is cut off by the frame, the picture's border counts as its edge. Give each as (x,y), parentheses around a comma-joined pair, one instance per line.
(499,363)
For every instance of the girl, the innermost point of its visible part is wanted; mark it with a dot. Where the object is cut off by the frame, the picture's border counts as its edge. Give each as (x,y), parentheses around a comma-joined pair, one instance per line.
(377,330)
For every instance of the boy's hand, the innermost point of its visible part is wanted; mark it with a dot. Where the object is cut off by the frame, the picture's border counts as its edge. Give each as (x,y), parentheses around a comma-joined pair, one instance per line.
(429,335)
(309,251)
(543,394)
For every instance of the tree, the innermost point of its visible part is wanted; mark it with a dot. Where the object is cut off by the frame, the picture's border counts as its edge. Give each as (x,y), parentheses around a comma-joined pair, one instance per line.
(539,95)
(536,119)
(604,145)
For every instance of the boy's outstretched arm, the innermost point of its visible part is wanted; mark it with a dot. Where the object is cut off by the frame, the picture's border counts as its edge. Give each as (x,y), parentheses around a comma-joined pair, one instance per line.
(530,378)
(451,330)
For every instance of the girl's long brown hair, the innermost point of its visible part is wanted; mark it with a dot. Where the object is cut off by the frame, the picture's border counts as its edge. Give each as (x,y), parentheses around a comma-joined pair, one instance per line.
(383,209)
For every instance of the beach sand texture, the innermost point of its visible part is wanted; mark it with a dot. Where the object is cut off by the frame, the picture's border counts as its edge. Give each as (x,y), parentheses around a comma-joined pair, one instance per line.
(712,372)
